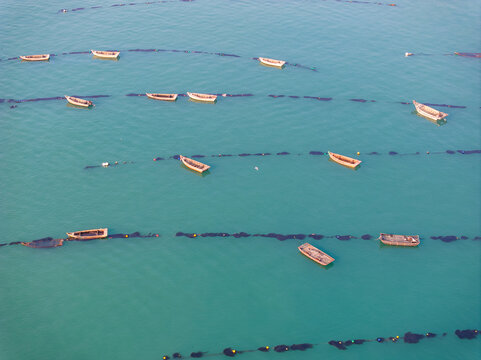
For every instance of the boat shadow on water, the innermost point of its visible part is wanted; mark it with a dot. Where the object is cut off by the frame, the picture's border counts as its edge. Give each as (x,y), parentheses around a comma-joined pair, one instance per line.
(79,107)
(435,122)
(202,174)
(324,267)
(203,102)
(383,246)
(102,58)
(346,167)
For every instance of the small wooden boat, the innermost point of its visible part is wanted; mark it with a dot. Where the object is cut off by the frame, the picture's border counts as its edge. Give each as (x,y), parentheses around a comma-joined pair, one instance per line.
(315,254)
(202,97)
(89,234)
(163,97)
(429,112)
(44,243)
(79,102)
(106,54)
(272,62)
(399,240)
(344,160)
(43,57)
(194,165)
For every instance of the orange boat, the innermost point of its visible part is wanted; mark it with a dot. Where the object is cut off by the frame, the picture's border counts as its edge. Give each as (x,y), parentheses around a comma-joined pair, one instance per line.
(202,97)
(344,160)
(43,57)
(429,112)
(194,165)
(272,62)
(79,102)
(399,240)
(163,97)
(106,54)
(315,254)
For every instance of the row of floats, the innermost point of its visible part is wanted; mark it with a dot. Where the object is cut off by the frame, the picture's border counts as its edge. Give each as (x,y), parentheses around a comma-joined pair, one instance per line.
(324,259)
(113,55)
(201,168)
(306,249)
(421,109)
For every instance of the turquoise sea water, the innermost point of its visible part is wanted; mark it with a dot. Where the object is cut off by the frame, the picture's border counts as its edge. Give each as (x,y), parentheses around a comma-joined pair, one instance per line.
(145,297)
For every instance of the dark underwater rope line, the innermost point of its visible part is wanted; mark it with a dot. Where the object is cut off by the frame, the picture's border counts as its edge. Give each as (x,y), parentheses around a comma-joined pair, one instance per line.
(50,242)
(120,5)
(226,95)
(172,51)
(283,153)
(171,1)
(408,337)
(465,54)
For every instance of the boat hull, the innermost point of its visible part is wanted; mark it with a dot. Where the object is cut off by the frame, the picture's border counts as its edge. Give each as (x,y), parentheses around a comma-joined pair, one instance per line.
(194,165)
(162,97)
(399,240)
(106,54)
(429,112)
(344,160)
(315,254)
(88,234)
(272,62)
(44,57)
(202,97)
(78,102)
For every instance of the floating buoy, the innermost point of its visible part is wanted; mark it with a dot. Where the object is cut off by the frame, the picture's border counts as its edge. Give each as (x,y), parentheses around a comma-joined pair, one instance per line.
(358,153)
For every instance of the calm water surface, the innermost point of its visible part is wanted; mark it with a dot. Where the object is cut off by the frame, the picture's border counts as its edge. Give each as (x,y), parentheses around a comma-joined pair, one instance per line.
(145,297)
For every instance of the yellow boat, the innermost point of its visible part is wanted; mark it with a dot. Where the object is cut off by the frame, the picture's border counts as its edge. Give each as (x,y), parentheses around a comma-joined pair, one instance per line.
(193,164)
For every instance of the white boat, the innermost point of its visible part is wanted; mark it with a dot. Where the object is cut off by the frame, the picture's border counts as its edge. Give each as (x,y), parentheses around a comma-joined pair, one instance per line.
(202,97)
(79,102)
(163,97)
(272,62)
(429,112)
(106,54)
(43,57)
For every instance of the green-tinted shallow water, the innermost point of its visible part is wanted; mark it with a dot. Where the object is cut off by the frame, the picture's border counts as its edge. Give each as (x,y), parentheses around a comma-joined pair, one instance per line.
(145,297)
